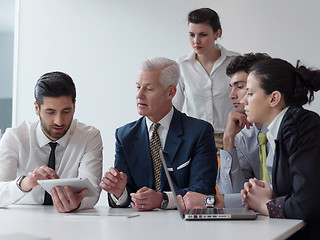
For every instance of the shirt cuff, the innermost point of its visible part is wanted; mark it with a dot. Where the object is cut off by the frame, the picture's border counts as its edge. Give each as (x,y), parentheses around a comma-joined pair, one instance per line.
(275,207)
(171,202)
(233,200)
(122,199)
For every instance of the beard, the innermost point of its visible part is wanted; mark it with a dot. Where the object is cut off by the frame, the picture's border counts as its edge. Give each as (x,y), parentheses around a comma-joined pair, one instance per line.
(50,133)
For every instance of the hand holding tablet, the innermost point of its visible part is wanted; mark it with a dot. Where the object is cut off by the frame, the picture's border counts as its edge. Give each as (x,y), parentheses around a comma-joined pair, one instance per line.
(76,185)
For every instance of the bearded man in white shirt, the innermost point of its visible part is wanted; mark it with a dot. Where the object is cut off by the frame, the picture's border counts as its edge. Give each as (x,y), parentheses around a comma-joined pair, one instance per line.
(25,150)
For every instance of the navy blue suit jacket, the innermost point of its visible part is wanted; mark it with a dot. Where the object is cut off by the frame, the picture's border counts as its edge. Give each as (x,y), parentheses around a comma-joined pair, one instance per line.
(189,150)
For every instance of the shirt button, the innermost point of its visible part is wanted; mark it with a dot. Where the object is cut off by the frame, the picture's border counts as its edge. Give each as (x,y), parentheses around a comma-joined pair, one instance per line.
(228,158)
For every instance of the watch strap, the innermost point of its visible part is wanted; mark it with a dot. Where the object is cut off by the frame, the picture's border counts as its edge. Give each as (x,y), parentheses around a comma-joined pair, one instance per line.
(18,183)
(165,201)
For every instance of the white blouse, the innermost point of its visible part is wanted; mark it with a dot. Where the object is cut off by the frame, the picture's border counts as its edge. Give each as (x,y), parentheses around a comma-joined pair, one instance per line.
(205,96)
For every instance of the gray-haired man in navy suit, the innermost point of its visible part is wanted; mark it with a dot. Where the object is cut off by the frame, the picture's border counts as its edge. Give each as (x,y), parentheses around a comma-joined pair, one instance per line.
(187,143)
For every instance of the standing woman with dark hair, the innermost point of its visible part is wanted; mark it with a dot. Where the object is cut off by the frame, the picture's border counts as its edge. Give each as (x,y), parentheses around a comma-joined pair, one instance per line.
(276,92)
(203,88)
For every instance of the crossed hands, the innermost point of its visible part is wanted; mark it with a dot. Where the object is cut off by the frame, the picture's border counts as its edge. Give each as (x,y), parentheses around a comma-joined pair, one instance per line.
(256,194)
(63,198)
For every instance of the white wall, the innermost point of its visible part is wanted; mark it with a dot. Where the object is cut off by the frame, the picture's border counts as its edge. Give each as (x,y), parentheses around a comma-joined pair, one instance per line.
(101,42)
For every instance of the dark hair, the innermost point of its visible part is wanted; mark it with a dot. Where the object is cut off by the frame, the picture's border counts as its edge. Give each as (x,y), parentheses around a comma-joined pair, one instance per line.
(205,15)
(244,62)
(296,84)
(54,84)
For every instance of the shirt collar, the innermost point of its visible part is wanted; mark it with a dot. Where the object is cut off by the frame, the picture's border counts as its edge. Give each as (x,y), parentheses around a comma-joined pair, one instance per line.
(164,122)
(264,128)
(275,124)
(43,139)
(224,54)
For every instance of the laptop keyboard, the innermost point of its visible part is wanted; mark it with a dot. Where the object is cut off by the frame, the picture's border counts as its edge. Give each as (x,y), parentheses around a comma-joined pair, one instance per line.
(206,211)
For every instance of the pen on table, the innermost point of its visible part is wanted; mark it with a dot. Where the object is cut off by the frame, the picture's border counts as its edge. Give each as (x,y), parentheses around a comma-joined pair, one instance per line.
(132,216)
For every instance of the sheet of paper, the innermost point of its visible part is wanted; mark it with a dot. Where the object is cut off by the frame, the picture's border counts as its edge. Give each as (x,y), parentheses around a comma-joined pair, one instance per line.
(88,214)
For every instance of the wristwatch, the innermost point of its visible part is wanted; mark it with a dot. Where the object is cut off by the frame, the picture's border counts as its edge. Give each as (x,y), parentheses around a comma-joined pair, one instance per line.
(209,201)
(165,201)
(18,182)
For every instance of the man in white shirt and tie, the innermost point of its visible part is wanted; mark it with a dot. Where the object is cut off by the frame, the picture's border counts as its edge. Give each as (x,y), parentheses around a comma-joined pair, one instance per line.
(239,158)
(71,149)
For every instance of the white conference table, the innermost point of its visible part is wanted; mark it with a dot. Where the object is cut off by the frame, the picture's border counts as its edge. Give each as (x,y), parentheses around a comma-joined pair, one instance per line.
(43,222)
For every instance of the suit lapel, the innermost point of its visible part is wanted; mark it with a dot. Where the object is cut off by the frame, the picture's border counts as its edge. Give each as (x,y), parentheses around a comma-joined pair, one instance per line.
(172,145)
(143,153)
(275,166)
(173,140)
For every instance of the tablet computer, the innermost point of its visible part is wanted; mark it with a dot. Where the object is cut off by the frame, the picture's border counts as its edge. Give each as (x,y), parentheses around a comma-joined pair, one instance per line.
(76,185)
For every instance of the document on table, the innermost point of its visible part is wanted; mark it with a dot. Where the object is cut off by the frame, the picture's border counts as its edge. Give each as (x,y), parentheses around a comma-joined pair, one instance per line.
(88,214)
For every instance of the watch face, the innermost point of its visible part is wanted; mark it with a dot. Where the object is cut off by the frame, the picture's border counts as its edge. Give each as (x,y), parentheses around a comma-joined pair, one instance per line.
(210,200)
(164,204)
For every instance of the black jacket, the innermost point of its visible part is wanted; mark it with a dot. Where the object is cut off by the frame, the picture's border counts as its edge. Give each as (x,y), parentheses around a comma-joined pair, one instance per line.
(296,168)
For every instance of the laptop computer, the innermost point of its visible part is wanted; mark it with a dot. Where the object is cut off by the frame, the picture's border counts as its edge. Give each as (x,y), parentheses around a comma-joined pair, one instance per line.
(207,213)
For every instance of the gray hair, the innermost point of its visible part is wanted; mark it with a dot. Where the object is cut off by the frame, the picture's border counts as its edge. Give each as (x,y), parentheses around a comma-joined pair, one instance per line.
(170,72)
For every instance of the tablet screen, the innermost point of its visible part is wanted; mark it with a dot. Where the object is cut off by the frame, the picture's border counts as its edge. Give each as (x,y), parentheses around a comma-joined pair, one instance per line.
(76,185)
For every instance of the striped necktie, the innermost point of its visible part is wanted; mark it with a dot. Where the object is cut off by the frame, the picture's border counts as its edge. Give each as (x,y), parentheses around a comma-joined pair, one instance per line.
(155,147)
(262,139)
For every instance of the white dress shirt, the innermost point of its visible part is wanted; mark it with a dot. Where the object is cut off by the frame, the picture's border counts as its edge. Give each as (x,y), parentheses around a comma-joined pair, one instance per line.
(205,96)
(243,163)
(24,148)
(274,128)
(162,132)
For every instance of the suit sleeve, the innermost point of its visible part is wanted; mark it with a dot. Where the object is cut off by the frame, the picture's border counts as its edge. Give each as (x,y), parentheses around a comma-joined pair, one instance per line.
(203,169)
(121,165)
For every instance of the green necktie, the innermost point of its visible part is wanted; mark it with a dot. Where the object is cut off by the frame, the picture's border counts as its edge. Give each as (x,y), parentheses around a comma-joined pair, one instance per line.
(264,175)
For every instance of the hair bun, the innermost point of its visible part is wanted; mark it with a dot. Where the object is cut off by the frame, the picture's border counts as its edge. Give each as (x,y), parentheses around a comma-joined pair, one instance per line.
(308,77)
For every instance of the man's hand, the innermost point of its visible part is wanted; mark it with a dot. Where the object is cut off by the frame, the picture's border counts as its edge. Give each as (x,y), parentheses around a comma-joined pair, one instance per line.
(114,182)
(235,123)
(41,173)
(68,201)
(146,199)
(194,200)
(219,201)
(256,194)
(181,203)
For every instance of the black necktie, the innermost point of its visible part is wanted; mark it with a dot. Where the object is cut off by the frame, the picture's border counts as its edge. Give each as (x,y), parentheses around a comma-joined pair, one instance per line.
(51,164)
